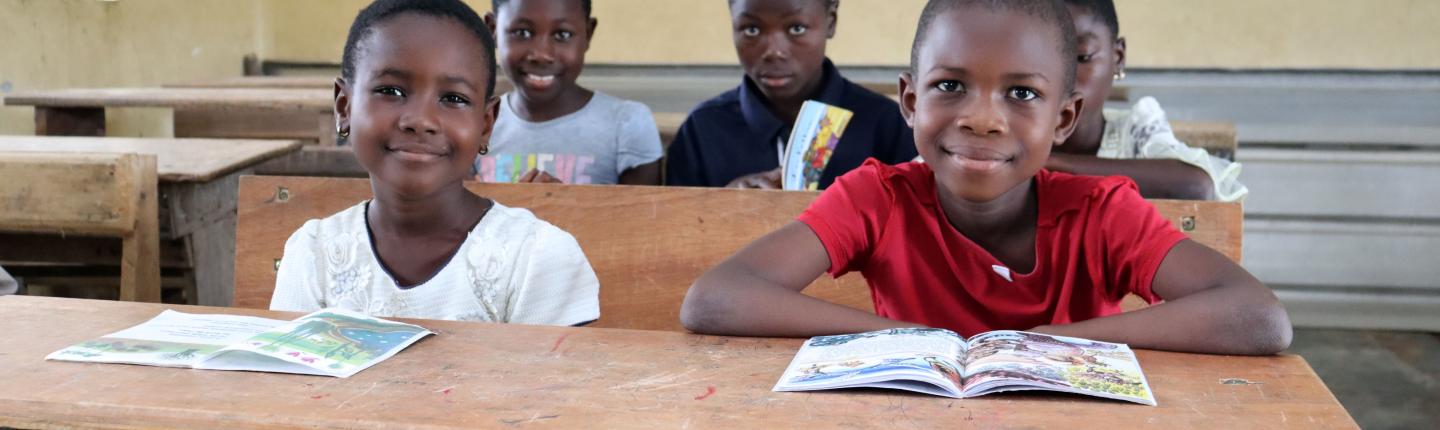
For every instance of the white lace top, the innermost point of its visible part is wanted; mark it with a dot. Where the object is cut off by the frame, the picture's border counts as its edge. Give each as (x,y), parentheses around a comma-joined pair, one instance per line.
(1143,132)
(512,268)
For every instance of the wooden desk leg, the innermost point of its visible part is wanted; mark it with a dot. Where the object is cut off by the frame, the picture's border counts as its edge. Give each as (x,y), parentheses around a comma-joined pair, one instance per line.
(57,121)
(203,216)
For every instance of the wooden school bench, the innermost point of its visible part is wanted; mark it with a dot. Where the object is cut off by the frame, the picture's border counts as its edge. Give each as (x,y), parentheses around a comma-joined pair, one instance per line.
(85,194)
(472,375)
(647,244)
(198,179)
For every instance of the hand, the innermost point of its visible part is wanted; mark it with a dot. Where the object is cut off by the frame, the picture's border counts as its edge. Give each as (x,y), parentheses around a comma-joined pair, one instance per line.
(538,176)
(764,180)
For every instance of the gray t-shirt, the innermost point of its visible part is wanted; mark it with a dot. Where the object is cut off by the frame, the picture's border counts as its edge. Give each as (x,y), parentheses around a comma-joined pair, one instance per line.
(593,145)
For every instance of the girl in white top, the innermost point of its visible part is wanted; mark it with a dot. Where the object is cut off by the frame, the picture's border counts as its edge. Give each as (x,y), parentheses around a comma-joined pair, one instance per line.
(1138,142)
(418,112)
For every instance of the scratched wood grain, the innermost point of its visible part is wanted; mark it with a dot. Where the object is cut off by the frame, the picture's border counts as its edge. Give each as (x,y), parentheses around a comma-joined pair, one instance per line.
(647,244)
(474,375)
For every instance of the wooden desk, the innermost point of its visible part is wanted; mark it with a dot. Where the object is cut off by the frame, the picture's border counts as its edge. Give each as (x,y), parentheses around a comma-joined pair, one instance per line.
(313,82)
(241,113)
(474,375)
(199,182)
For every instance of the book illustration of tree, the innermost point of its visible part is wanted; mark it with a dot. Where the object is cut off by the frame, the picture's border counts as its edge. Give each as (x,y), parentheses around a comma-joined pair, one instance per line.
(183,355)
(332,335)
(1107,380)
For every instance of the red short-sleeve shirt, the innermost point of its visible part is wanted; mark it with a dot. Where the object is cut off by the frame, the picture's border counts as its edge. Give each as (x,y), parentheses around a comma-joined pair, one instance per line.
(1096,240)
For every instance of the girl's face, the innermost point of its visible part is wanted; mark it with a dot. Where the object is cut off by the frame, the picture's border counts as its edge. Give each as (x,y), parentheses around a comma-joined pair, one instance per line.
(1102,55)
(416,107)
(987,101)
(542,45)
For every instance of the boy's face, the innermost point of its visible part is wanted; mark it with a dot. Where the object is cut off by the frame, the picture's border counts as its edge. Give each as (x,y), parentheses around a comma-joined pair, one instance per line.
(1101,56)
(542,45)
(781,44)
(416,109)
(987,101)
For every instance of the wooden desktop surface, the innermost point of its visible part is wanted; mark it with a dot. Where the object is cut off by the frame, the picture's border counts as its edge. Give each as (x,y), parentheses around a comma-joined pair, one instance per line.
(179,160)
(474,375)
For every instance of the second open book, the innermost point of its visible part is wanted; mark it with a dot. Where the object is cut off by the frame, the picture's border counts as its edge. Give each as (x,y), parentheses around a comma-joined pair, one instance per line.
(329,342)
(942,363)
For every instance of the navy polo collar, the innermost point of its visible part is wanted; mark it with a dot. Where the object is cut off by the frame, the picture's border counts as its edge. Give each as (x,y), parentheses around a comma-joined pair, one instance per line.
(763,122)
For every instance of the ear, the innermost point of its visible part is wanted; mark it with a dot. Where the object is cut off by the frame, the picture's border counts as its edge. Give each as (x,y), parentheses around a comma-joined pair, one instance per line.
(492,112)
(490,22)
(1069,117)
(833,9)
(1120,54)
(907,98)
(342,105)
(590,32)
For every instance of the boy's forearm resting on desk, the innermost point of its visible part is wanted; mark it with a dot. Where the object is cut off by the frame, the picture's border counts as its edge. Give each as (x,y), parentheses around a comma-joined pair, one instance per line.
(1158,179)
(1212,306)
(757,293)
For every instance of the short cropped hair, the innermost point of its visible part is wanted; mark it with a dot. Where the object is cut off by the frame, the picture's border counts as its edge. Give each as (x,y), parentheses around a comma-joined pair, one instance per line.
(1104,10)
(382,10)
(1047,11)
(495,6)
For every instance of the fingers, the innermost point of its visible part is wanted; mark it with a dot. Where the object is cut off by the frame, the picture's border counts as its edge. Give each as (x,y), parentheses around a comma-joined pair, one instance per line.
(545,177)
(529,175)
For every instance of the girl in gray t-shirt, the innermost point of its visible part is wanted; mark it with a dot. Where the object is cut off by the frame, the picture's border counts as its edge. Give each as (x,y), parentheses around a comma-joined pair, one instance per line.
(550,128)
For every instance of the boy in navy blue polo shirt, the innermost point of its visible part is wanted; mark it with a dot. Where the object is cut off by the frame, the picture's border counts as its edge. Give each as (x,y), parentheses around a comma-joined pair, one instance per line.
(736,138)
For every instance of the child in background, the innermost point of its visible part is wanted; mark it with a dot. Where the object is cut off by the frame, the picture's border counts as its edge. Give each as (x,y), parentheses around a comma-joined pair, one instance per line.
(980,237)
(414,99)
(736,138)
(551,129)
(1137,142)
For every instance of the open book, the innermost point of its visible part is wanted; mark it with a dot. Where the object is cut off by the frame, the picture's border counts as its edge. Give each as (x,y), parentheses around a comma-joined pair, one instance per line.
(332,342)
(812,141)
(940,362)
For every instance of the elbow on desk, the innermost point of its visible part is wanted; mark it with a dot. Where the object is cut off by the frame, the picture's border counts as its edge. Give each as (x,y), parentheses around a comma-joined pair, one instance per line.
(698,313)
(1267,328)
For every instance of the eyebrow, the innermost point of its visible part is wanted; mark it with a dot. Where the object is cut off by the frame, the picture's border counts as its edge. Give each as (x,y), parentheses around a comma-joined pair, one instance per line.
(1023,76)
(1014,76)
(787,14)
(453,79)
(402,74)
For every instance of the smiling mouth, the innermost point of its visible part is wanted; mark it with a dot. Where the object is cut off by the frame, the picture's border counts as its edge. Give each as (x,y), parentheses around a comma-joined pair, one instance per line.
(539,81)
(977,160)
(415,155)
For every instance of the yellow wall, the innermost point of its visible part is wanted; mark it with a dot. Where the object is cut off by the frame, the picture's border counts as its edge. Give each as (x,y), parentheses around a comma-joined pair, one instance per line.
(1297,34)
(98,43)
(90,43)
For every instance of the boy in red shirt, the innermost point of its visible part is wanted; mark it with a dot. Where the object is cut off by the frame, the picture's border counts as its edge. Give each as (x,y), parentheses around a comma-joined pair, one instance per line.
(980,237)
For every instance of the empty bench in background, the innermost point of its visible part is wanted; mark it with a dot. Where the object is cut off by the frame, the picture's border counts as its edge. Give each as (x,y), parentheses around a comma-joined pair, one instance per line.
(84,194)
(198,182)
(647,244)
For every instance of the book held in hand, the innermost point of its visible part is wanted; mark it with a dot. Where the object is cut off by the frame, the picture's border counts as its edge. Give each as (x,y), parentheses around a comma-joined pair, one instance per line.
(942,363)
(330,342)
(812,141)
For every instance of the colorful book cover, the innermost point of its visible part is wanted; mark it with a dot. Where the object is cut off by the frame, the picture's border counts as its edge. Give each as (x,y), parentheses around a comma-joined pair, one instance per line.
(813,138)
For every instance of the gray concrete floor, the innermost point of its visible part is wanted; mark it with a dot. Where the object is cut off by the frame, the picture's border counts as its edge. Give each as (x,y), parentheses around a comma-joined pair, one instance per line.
(1385,379)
